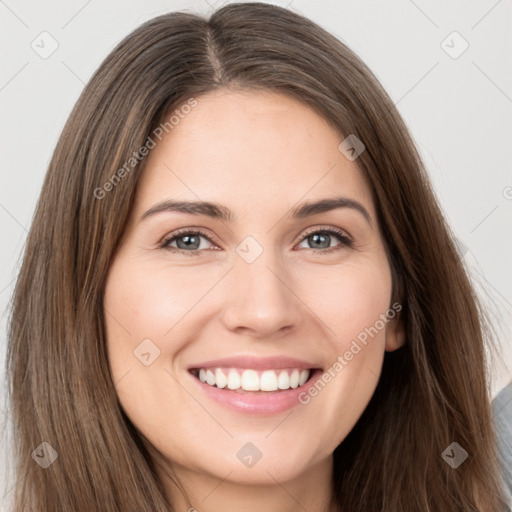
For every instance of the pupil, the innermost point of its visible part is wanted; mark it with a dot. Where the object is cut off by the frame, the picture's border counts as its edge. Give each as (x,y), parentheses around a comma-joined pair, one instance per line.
(188,241)
(320,240)
(316,238)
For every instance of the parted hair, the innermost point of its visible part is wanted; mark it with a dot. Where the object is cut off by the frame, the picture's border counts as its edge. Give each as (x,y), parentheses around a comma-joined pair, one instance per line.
(434,390)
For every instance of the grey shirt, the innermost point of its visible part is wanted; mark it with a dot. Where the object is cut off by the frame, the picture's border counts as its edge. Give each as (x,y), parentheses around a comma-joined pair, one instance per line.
(502,414)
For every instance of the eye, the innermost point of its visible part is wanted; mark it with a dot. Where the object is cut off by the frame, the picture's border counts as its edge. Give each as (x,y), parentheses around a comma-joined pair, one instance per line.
(321,238)
(189,241)
(186,241)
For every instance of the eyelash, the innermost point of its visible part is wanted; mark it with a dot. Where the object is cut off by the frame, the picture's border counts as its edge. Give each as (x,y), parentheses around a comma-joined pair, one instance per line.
(345,240)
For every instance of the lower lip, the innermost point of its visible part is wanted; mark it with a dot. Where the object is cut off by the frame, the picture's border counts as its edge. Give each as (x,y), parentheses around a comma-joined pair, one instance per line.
(258,403)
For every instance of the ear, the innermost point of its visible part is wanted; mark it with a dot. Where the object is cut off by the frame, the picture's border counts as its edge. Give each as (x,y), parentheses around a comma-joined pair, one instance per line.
(395,334)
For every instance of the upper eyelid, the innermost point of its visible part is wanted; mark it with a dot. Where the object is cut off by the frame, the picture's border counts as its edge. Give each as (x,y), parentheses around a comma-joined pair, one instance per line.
(314,229)
(184,231)
(308,231)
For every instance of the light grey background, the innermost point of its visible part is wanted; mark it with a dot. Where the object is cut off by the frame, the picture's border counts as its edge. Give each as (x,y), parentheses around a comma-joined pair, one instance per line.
(458,109)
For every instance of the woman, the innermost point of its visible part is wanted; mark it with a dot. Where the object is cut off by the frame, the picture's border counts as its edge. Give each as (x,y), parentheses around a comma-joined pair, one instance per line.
(178,339)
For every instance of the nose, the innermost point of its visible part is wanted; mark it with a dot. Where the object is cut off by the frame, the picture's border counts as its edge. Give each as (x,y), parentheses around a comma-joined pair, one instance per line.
(260,301)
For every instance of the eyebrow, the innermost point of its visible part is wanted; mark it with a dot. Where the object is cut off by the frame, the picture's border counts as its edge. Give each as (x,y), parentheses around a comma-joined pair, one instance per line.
(221,212)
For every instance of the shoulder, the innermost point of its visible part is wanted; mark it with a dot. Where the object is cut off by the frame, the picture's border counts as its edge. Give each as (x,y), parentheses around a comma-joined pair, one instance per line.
(502,415)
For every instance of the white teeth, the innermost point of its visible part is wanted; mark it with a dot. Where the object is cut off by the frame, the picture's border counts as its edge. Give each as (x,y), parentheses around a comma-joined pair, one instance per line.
(268,381)
(304,375)
(284,380)
(250,380)
(294,379)
(220,379)
(210,377)
(234,380)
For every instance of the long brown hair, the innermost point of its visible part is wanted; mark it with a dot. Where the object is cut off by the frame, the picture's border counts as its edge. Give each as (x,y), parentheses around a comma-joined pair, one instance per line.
(433,391)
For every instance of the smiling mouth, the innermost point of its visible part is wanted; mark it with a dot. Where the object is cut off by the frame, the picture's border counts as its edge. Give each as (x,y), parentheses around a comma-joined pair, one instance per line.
(249,381)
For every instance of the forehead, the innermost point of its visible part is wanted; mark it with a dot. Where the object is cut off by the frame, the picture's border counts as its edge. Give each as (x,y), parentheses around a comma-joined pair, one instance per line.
(250,150)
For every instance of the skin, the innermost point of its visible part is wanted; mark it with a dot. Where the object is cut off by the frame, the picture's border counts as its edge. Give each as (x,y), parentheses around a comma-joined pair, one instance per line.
(259,154)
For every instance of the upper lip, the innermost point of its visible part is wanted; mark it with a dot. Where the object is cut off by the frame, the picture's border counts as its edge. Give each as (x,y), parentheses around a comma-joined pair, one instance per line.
(256,363)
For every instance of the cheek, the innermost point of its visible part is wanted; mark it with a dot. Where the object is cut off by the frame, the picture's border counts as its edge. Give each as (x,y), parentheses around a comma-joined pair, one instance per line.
(151,302)
(350,299)
(350,304)
(142,304)
(134,311)
(147,301)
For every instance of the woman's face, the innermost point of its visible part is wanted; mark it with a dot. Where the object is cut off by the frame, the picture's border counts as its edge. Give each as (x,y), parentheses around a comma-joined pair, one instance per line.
(264,293)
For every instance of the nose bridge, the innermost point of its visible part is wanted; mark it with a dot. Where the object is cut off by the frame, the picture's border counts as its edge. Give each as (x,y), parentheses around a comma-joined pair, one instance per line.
(260,297)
